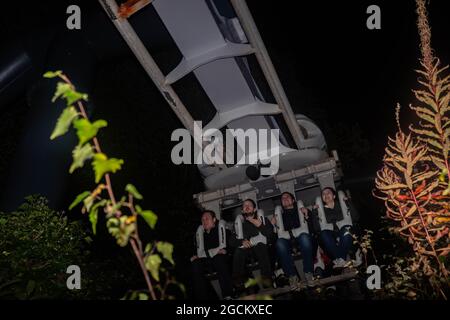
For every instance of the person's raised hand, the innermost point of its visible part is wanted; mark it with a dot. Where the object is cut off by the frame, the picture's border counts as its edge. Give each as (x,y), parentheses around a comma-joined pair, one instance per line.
(305,212)
(255,221)
(273,220)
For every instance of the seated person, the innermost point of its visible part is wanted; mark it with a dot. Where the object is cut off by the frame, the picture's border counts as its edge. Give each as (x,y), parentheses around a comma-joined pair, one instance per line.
(255,235)
(211,240)
(293,231)
(335,222)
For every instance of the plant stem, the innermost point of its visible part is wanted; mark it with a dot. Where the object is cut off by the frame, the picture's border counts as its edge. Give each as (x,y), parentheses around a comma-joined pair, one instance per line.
(138,254)
(95,140)
(136,243)
(443,270)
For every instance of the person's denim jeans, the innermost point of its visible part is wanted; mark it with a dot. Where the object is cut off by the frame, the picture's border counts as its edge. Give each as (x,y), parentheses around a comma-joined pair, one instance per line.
(307,249)
(332,247)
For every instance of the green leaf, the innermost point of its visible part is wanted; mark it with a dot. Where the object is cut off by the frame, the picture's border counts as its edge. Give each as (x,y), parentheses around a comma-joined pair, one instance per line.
(120,229)
(79,198)
(152,264)
(66,91)
(93,215)
(64,121)
(102,165)
(31,285)
(88,239)
(61,89)
(148,247)
(52,74)
(251,282)
(80,154)
(87,130)
(133,191)
(143,296)
(149,216)
(73,96)
(166,249)
(88,202)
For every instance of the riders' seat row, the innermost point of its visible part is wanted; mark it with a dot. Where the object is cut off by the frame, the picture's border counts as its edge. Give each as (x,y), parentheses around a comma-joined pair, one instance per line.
(322,233)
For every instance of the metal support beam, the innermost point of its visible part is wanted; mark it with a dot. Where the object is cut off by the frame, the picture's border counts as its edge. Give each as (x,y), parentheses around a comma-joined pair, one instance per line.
(189,64)
(145,59)
(131,38)
(257,108)
(249,26)
(326,179)
(287,186)
(131,7)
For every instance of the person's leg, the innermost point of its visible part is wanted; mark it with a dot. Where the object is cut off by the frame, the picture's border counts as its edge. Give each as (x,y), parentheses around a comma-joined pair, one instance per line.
(221,266)
(198,275)
(307,250)
(329,244)
(315,244)
(318,262)
(273,257)
(239,258)
(262,255)
(345,241)
(283,248)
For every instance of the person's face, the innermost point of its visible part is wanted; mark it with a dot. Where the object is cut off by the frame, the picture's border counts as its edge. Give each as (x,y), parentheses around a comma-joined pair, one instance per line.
(327,196)
(208,222)
(247,208)
(286,201)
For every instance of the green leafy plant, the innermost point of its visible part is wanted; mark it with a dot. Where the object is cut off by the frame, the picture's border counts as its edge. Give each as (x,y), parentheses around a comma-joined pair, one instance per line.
(37,245)
(121,215)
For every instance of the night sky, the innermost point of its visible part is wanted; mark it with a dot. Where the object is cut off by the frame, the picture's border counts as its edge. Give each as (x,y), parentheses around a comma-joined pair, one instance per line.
(332,67)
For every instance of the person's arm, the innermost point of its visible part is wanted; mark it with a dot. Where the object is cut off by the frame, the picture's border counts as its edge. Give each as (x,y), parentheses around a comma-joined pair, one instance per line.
(233,241)
(313,220)
(266,229)
(305,212)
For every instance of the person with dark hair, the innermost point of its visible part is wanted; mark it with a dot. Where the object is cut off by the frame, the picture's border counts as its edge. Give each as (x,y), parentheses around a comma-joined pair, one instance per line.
(296,235)
(253,234)
(210,254)
(336,250)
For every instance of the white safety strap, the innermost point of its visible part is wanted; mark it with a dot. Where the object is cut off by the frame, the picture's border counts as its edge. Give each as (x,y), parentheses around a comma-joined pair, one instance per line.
(347,218)
(322,220)
(260,238)
(201,242)
(347,221)
(222,239)
(282,233)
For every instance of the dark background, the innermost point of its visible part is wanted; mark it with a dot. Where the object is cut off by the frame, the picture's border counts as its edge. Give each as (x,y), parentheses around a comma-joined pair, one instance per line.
(334,70)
